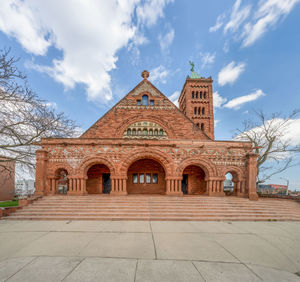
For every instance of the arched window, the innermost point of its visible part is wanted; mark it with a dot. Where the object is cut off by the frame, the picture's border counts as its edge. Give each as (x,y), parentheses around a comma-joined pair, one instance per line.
(161,132)
(139,132)
(128,131)
(145,100)
(155,132)
(200,95)
(195,111)
(202,126)
(138,102)
(133,132)
(151,102)
(145,131)
(199,111)
(197,124)
(196,94)
(150,132)
(204,95)
(192,94)
(203,111)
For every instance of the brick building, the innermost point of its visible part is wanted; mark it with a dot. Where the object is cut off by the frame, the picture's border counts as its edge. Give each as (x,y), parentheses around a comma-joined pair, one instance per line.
(7,179)
(146,145)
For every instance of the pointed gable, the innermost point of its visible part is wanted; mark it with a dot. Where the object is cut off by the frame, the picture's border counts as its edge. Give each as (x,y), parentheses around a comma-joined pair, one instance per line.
(157,112)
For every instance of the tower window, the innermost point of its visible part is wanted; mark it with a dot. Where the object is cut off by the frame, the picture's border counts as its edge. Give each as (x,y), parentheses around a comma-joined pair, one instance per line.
(200,94)
(138,102)
(204,95)
(192,94)
(195,111)
(197,124)
(202,126)
(151,102)
(145,100)
(203,111)
(199,111)
(196,94)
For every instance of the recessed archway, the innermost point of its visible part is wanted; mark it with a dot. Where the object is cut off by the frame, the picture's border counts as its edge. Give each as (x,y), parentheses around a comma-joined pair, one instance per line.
(98,179)
(62,181)
(146,176)
(193,180)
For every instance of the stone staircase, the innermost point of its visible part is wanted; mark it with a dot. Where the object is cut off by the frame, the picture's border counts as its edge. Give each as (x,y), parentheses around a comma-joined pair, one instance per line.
(157,207)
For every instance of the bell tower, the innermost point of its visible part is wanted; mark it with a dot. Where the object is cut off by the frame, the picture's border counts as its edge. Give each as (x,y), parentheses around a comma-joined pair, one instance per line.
(196,101)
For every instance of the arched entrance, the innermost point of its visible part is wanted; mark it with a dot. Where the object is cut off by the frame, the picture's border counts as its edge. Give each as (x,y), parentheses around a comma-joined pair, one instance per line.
(193,180)
(146,176)
(62,181)
(230,184)
(98,179)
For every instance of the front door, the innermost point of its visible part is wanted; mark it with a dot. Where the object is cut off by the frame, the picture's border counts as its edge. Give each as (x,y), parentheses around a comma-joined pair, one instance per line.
(184,184)
(106,183)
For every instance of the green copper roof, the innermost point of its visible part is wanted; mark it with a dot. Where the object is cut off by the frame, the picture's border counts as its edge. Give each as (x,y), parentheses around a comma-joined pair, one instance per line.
(193,74)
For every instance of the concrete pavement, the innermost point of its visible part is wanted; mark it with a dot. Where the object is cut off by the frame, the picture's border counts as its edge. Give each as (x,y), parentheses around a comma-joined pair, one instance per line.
(149,251)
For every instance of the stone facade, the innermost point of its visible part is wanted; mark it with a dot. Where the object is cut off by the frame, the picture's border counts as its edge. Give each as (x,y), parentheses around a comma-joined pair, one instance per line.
(146,145)
(7,179)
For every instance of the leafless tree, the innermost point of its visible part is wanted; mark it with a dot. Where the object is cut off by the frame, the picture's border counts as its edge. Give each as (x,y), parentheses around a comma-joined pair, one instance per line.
(271,142)
(24,117)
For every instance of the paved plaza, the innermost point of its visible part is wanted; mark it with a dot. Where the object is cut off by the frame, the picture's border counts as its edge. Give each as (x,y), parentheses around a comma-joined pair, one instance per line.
(149,251)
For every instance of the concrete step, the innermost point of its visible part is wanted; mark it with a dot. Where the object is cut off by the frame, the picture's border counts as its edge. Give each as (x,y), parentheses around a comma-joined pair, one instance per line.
(104,207)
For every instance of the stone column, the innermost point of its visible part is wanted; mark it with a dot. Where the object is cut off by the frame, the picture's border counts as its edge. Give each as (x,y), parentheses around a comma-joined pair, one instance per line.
(41,172)
(174,186)
(118,186)
(251,176)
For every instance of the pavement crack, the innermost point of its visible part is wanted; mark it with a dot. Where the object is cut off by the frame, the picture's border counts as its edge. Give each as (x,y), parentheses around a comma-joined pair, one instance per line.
(241,262)
(73,269)
(198,271)
(21,268)
(135,271)
(155,253)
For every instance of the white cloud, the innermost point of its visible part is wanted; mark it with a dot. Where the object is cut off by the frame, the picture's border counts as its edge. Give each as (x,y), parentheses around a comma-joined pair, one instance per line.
(218,100)
(159,74)
(219,23)
(248,25)
(238,16)
(52,105)
(267,15)
(174,98)
(151,11)
(216,121)
(166,40)
(230,73)
(207,59)
(89,35)
(238,102)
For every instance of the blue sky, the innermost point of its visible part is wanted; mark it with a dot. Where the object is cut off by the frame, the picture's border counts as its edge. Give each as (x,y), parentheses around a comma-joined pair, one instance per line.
(83,57)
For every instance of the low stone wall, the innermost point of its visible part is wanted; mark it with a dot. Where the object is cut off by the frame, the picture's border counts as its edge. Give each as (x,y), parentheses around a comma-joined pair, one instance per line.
(5,211)
(288,197)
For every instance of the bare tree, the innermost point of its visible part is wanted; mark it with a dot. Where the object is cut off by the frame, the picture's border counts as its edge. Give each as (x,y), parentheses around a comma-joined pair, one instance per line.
(24,118)
(271,142)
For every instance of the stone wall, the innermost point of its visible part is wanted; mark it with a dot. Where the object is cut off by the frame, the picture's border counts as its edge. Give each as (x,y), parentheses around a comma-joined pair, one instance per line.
(7,179)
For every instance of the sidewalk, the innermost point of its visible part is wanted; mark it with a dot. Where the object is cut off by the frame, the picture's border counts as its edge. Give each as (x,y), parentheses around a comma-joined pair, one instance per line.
(149,251)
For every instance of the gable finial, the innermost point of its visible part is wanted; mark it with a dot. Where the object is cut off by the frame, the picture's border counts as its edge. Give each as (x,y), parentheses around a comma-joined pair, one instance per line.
(192,66)
(145,74)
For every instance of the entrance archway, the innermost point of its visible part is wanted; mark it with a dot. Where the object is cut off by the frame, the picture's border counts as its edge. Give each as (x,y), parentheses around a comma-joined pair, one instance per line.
(146,176)
(61,176)
(230,184)
(193,180)
(98,179)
